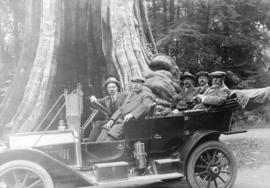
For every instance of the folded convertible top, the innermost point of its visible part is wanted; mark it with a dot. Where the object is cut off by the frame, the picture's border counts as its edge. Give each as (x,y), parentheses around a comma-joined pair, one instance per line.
(250,99)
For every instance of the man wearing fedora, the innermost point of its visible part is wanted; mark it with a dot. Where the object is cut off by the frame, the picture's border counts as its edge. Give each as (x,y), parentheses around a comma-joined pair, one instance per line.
(203,81)
(215,95)
(136,106)
(112,101)
(183,100)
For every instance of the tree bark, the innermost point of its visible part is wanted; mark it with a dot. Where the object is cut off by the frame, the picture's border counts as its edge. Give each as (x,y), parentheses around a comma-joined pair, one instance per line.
(154,9)
(10,103)
(178,10)
(14,5)
(1,47)
(171,10)
(165,11)
(2,12)
(24,104)
(89,40)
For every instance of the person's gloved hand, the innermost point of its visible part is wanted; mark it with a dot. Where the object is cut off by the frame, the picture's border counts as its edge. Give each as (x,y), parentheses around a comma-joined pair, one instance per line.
(175,111)
(93,99)
(108,125)
(128,117)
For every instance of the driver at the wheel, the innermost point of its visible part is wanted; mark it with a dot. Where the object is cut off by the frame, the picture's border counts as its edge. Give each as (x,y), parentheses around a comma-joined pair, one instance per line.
(137,105)
(111,101)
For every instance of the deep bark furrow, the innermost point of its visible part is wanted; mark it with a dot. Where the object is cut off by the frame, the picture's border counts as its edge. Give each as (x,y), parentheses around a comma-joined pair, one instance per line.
(36,89)
(146,25)
(14,97)
(122,62)
(107,42)
(128,41)
(32,119)
(140,35)
(137,44)
(118,34)
(97,30)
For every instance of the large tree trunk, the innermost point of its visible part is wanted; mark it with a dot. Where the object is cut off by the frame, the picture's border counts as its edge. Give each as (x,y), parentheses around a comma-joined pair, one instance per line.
(23,105)
(89,40)
(2,12)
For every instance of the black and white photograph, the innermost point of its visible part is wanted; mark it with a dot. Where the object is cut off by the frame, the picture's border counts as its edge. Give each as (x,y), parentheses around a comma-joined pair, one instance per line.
(134,93)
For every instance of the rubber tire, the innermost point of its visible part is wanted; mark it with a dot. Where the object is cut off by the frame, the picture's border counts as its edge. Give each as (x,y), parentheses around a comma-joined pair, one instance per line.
(202,148)
(34,167)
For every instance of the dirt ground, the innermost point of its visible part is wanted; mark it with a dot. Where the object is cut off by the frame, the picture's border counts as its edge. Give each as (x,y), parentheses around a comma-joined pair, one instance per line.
(252,151)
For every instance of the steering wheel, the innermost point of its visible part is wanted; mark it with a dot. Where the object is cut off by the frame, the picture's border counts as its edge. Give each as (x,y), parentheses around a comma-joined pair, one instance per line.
(102,108)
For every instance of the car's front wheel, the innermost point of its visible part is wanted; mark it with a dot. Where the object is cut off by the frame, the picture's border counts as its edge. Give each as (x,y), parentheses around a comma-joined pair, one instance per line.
(24,174)
(211,164)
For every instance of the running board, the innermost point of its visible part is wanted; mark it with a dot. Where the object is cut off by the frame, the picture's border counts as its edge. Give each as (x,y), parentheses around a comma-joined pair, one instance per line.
(141,180)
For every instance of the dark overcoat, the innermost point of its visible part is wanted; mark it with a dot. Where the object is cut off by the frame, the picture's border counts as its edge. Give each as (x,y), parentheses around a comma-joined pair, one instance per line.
(120,99)
(138,104)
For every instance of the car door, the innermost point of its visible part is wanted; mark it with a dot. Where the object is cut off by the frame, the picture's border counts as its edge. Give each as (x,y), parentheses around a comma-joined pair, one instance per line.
(167,133)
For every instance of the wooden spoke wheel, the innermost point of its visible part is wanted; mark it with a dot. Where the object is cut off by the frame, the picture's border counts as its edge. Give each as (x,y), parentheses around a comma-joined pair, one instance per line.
(211,165)
(24,174)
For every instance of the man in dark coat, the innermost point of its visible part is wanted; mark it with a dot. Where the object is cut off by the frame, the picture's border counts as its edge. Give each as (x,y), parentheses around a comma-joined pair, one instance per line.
(203,81)
(112,101)
(136,106)
(184,98)
(215,95)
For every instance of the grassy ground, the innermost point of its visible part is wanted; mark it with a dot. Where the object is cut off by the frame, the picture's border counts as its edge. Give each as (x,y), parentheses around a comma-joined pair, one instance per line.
(251,149)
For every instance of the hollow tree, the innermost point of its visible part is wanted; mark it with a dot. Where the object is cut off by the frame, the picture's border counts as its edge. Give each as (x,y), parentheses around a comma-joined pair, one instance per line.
(81,41)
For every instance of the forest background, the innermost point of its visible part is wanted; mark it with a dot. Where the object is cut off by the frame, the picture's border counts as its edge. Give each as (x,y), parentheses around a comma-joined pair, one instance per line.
(229,35)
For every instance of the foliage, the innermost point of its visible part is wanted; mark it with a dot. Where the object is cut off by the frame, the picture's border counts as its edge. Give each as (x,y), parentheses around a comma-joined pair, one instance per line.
(214,34)
(229,35)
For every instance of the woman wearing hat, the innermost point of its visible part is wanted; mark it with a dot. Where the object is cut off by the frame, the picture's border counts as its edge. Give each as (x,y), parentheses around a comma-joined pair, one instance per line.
(112,101)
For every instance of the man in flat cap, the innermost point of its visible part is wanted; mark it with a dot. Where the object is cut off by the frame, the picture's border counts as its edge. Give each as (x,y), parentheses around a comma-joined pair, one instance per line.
(112,101)
(215,95)
(136,106)
(203,81)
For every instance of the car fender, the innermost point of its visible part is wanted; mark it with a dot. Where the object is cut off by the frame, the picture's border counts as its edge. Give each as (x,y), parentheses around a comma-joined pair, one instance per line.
(57,170)
(195,139)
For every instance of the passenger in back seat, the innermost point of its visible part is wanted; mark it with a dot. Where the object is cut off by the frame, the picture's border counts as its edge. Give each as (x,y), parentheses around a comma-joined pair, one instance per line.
(183,101)
(203,81)
(215,95)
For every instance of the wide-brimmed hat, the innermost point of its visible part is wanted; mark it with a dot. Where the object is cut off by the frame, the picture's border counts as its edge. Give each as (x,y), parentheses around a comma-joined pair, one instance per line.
(137,79)
(202,73)
(187,75)
(112,80)
(218,74)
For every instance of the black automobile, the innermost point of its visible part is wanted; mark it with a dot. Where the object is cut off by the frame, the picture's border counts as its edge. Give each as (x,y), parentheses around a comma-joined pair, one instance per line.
(154,149)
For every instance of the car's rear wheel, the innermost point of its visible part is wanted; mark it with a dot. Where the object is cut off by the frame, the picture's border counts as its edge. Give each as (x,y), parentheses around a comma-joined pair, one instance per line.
(211,164)
(24,174)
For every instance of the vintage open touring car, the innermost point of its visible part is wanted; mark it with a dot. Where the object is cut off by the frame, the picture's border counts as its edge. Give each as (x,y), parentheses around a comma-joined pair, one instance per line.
(154,149)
